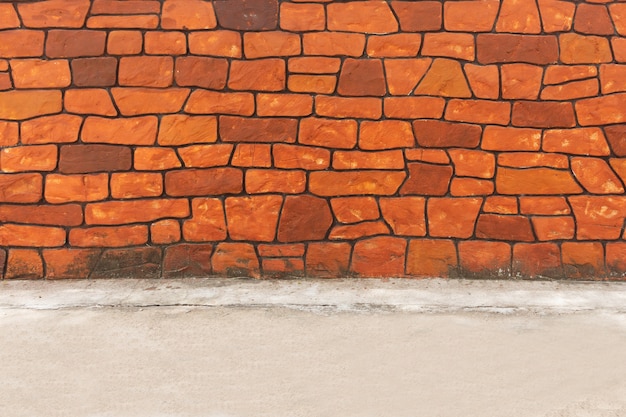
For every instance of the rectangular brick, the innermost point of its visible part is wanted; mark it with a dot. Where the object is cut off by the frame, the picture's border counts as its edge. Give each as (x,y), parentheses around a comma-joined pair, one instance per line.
(76,188)
(20,188)
(135,211)
(341,107)
(242,129)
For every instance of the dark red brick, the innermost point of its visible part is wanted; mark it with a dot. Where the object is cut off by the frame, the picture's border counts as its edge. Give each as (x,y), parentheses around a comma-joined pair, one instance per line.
(94,72)
(81,159)
(187,261)
(304,218)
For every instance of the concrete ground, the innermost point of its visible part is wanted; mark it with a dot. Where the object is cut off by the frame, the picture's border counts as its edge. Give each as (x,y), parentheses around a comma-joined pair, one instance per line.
(207,347)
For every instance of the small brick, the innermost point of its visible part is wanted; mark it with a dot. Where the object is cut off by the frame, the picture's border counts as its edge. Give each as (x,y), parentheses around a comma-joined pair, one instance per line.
(466,187)
(224,43)
(187,261)
(485,259)
(358,231)
(81,159)
(343,107)
(124,42)
(433,156)
(322,84)
(76,188)
(62,128)
(165,43)
(155,159)
(344,183)
(25,104)
(543,114)
(206,156)
(235,259)
(535,181)
(24,264)
(452,217)
(283,268)
(208,222)
(70,263)
(614,134)
(284,104)
(439,134)
(136,185)
(385,134)
(257,75)
(270,44)
(405,215)
(338,134)
(241,129)
(393,159)
(57,215)
(5,82)
(394,46)
(146,71)
(165,232)
(89,101)
(253,217)
(328,260)
(355,209)
(333,44)
(94,72)
(414,107)
(31,236)
(54,13)
(22,43)
(382,256)
(254,155)
(203,182)
(511,48)
(496,138)
(302,17)
(579,49)
(213,102)
(117,236)
(300,157)
(126,131)
(419,16)
(504,227)
(314,65)
(9,133)
(470,16)
(616,258)
(478,111)
(275,181)
(123,22)
(519,16)
(612,78)
(452,45)
(554,228)
(188,15)
(176,130)
(484,80)
(404,74)
(431,258)
(202,72)
(28,158)
(248,14)
(444,78)
(75,43)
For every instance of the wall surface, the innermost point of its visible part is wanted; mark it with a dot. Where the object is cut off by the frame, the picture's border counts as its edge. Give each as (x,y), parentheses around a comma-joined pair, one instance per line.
(324,138)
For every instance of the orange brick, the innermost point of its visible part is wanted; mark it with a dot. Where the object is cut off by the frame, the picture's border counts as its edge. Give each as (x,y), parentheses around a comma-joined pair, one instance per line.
(466,187)
(123,22)
(473,163)
(357,231)
(557,74)
(300,157)
(339,134)
(205,156)
(24,264)
(155,159)
(581,141)
(547,206)
(124,42)
(328,260)
(431,258)
(9,133)
(484,80)
(25,104)
(579,49)
(283,267)
(39,73)
(314,65)
(54,13)
(302,17)
(532,159)
(129,131)
(284,104)
(385,134)
(470,16)
(275,181)
(62,128)
(433,156)
(20,188)
(253,155)
(270,44)
(556,15)
(253,218)
(194,71)
(444,78)
(89,101)
(452,217)
(135,211)
(266,129)
(188,15)
(619,49)
(382,256)
(601,110)
(178,130)
(521,81)
(500,205)
(394,46)
(404,74)
(33,236)
(485,259)
(554,227)
(8,17)
(117,236)
(420,16)
(165,231)
(70,263)
(165,43)
(583,259)
(213,102)
(257,75)
(342,107)
(535,181)
(573,90)
(116,7)
(140,101)
(345,183)
(393,159)
(333,44)
(146,71)
(414,107)
(29,158)
(136,185)
(76,188)
(452,45)
(518,16)
(322,84)
(22,43)
(207,223)
(373,17)
(224,43)
(235,259)
(496,138)
(478,111)
(281,250)
(354,209)
(595,175)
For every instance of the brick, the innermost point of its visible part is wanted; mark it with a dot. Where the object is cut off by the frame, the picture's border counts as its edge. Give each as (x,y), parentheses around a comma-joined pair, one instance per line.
(302,17)
(511,48)
(485,259)
(69,263)
(382,256)
(241,129)
(135,211)
(521,81)
(283,268)
(439,134)
(123,22)
(419,16)
(117,236)
(618,14)
(472,163)
(224,43)
(612,78)
(466,187)
(247,14)
(20,188)
(59,215)
(20,105)
(361,16)
(478,111)
(146,71)
(176,130)
(24,264)
(614,134)
(323,84)
(31,236)
(188,15)
(579,49)
(404,74)
(275,181)
(135,262)
(54,13)
(581,141)
(501,205)
(201,182)
(431,258)
(187,261)
(357,231)
(125,42)
(314,65)
(9,133)
(392,159)
(601,110)
(29,73)
(496,138)
(28,158)
(89,101)
(235,260)
(532,159)
(554,228)
(281,250)
(210,73)
(434,156)
(115,7)
(593,19)
(5,82)
(385,134)
(414,107)
(208,222)
(94,72)
(583,260)
(484,80)
(254,155)
(8,17)
(257,75)
(543,114)
(362,77)
(253,218)
(304,218)
(270,44)
(616,258)
(328,183)
(75,43)
(405,215)
(452,217)
(338,134)
(328,260)
(127,131)
(557,74)
(547,206)
(284,104)
(213,102)
(470,16)
(427,179)
(333,44)
(300,157)
(504,227)
(21,43)
(140,101)
(355,209)
(76,188)
(519,16)
(394,46)
(451,45)
(81,159)
(342,107)
(61,128)
(444,78)
(165,232)
(158,159)
(165,43)
(556,15)
(537,181)
(136,185)
(598,217)
(573,90)
(595,175)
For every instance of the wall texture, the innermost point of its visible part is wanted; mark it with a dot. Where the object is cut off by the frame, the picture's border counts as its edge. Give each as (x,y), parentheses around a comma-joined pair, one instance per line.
(326,138)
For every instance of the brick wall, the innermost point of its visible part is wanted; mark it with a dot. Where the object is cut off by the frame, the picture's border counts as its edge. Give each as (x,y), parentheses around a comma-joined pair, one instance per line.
(325,138)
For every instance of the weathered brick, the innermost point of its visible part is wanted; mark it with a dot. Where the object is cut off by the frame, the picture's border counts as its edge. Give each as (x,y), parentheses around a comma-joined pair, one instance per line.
(556,15)
(484,80)
(470,16)
(521,81)
(419,16)
(284,104)
(165,232)
(142,262)
(547,206)
(146,71)
(557,74)
(593,19)
(123,22)
(554,227)
(362,77)
(21,43)
(485,259)
(117,236)
(391,159)
(122,7)
(300,157)
(75,43)
(208,222)
(452,217)
(510,48)
(253,218)
(382,256)
(444,78)
(283,267)
(602,110)
(579,49)
(258,75)
(472,163)
(281,250)
(135,211)
(254,155)
(224,43)
(323,84)
(404,74)
(342,107)
(543,114)
(213,102)
(188,15)
(24,264)
(581,141)
(76,188)
(235,259)
(8,18)
(302,17)
(61,128)
(9,133)
(155,159)
(427,179)
(240,129)
(598,217)
(58,215)
(496,138)
(595,175)
(20,188)
(333,44)
(355,209)
(439,134)
(165,43)
(89,101)
(176,130)
(431,258)
(394,46)
(94,72)
(304,218)
(414,107)
(452,45)
(136,184)
(538,181)
(314,65)
(405,215)
(533,159)
(31,236)
(519,16)
(19,105)
(583,260)
(478,111)
(247,14)
(70,263)
(54,13)
(270,44)
(338,134)
(199,182)
(202,72)
(328,183)
(328,260)
(127,131)
(275,181)
(79,159)
(359,230)
(501,205)
(187,261)
(28,158)
(139,101)
(124,42)
(385,134)
(616,258)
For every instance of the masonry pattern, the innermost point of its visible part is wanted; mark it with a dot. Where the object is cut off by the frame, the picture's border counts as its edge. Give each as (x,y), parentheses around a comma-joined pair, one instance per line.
(317,138)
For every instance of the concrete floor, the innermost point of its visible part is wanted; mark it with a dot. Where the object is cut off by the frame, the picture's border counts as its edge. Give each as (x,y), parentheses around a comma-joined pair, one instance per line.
(209,348)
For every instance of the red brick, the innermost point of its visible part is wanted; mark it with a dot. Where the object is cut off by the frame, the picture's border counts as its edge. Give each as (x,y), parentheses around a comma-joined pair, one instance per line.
(582,141)
(419,16)
(469,163)
(28,235)
(593,19)
(452,45)
(328,260)
(314,65)
(598,217)
(24,264)
(439,134)
(355,209)
(470,16)
(339,134)
(498,138)
(135,211)
(362,77)
(21,43)
(257,75)
(444,78)
(241,129)
(328,183)
(202,182)
(414,107)
(165,43)
(76,188)
(485,259)
(342,107)
(394,46)
(405,215)
(361,16)
(28,158)
(176,130)
(595,175)
(69,263)
(323,84)
(208,222)
(284,104)
(138,101)
(573,90)
(300,157)
(427,179)
(452,217)
(501,205)
(465,187)
(381,256)
(254,155)
(188,15)
(136,184)
(165,232)
(281,250)
(554,227)
(89,101)
(556,15)
(124,42)
(602,110)
(123,22)
(333,44)
(20,188)
(247,14)
(543,114)
(122,7)
(94,72)
(478,111)
(9,133)
(385,134)
(393,159)
(614,134)
(213,102)
(519,16)
(304,218)
(8,17)
(538,181)
(505,48)
(616,258)
(146,71)
(128,131)
(537,260)
(579,49)
(404,74)
(235,260)
(143,262)
(155,159)
(117,236)
(583,260)
(532,159)
(54,13)
(26,104)
(431,258)
(187,261)
(483,79)
(58,215)
(270,44)
(205,156)
(275,181)
(302,17)
(521,81)
(359,230)
(504,227)
(75,43)
(224,43)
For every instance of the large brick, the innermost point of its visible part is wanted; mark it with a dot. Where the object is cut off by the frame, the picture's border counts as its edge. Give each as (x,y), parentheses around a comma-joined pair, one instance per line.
(20,188)
(510,48)
(538,181)
(80,159)
(253,218)
(25,104)
(138,101)
(247,14)
(135,211)
(21,43)
(543,114)
(554,227)
(328,183)
(188,15)
(361,16)
(235,260)
(127,131)
(116,236)
(176,130)
(583,260)
(202,72)
(258,75)
(382,256)
(70,263)
(208,222)
(213,102)
(394,46)
(76,188)
(187,261)
(28,158)
(337,134)
(75,43)
(431,258)
(304,218)
(54,13)
(419,16)
(439,134)
(24,264)
(521,81)
(241,129)
(94,72)
(201,182)
(598,217)
(427,179)
(94,101)
(61,128)
(146,71)
(31,236)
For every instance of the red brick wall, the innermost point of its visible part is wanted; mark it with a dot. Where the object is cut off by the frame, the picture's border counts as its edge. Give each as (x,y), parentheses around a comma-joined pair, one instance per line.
(312,137)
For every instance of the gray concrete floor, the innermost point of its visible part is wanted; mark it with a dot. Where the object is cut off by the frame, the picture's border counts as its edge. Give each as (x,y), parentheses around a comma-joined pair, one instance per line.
(134,348)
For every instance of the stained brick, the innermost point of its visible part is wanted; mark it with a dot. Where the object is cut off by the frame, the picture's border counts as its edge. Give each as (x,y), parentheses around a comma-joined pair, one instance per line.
(253,218)
(419,16)
(94,72)
(199,182)
(117,236)
(142,262)
(281,250)
(363,77)
(328,260)
(510,48)
(583,260)
(76,188)
(202,72)
(79,159)
(135,211)
(381,256)
(75,43)
(503,227)
(188,15)
(235,260)
(187,261)
(283,268)
(247,14)
(616,258)
(485,259)
(598,217)
(329,183)
(532,260)
(304,218)
(69,263)
(23,264)
(431,258)
(427,179)
(439,134)
(122,7)
(240,129)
